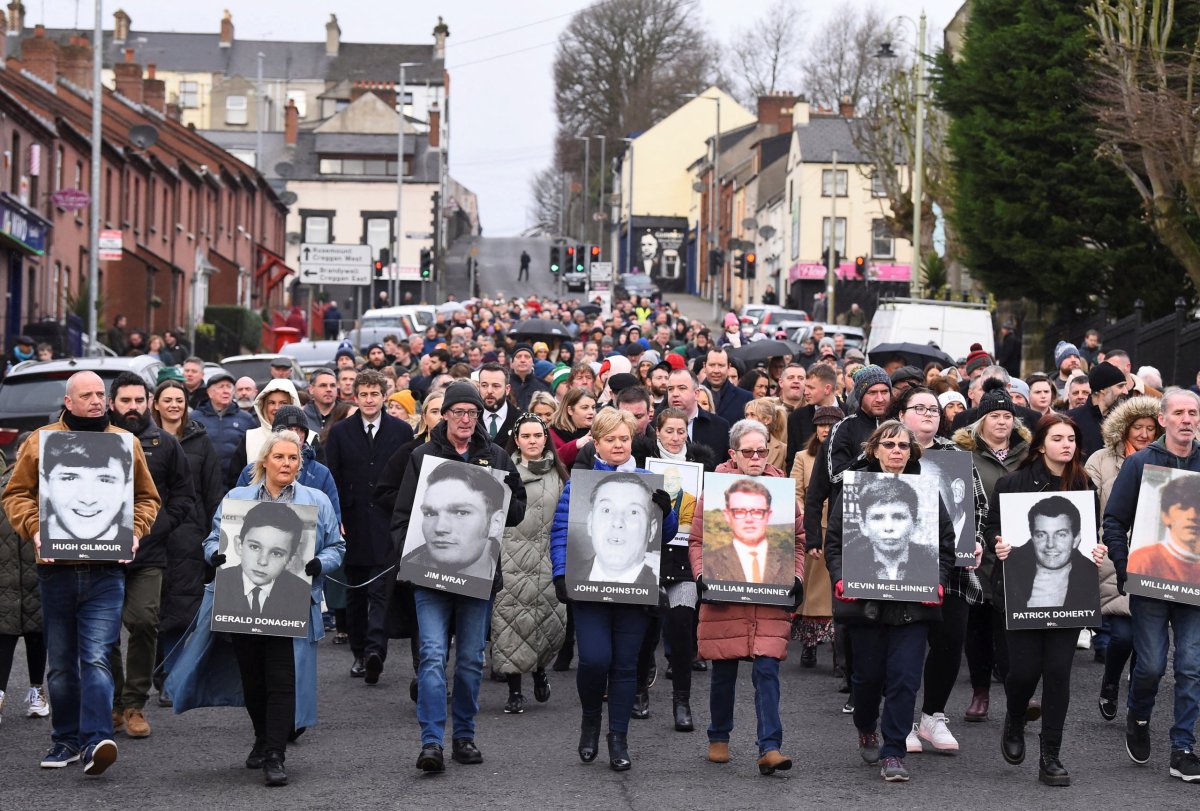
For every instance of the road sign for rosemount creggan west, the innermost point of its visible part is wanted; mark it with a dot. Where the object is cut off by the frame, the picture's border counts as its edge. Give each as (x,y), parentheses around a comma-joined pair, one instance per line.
(335,264)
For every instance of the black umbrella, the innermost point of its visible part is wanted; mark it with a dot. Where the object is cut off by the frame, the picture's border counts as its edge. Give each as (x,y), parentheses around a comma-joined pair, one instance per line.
(589,309)
(539,328)
(759,351)
(913,354)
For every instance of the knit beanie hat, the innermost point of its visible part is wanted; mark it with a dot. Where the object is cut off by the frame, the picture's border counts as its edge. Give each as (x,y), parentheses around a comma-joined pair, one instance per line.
(461,391)
(406,400)
(827,415)
(522,348)
(996,400)
(869,376)
(947,397)
(977,358)
(1019,386)
(1104,375)
(621,381)
(562,373)
(1062,351)
(289,416)
(541,368)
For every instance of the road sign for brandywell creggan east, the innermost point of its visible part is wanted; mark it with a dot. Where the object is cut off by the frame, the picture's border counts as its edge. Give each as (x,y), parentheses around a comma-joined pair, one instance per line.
(335,264)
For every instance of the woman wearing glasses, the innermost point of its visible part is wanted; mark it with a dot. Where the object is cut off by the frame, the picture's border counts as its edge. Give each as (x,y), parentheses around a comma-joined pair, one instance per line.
(730,632)
(1055,462)
(887,638)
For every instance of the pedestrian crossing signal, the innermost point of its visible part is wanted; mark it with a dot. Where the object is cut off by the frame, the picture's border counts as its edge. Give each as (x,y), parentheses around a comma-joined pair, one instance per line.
(426,263)
(555,264)
(580,253)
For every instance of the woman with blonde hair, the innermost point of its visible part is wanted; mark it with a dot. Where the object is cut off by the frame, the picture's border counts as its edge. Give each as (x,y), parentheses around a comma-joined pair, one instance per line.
(570,429)
(544,406)
(771,413)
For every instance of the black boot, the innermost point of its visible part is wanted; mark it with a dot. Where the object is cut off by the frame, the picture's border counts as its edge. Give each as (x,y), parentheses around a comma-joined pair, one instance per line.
(641,702)
(589,738)
(808,657)
(273,771)
(1012,740)
(1050,768)
(682,711)
(618,752)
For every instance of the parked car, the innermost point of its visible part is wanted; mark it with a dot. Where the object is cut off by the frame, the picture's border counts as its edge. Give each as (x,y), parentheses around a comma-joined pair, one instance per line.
(855,336)
(312,354)
(766,318)
(32,393)
(258,368)
(401,321)
(632,286)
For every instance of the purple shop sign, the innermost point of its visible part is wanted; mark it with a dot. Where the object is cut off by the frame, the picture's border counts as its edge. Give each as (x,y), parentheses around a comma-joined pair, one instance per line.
(71,199)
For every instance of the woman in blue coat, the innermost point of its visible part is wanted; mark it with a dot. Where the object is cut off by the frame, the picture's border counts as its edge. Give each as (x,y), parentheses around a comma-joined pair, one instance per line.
(609,635)
(274,677)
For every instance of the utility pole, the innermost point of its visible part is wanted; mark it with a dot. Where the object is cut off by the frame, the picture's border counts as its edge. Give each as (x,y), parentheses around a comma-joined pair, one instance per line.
(600,208)
(94,188)
(393,281)
(919,155)
(831,254)
(587,156)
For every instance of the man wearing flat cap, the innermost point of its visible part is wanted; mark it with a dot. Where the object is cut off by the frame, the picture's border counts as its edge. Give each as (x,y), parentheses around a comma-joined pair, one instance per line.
(1109,387)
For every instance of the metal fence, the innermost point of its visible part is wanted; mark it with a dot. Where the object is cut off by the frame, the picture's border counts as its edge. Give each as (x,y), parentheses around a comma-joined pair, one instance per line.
(1171,344)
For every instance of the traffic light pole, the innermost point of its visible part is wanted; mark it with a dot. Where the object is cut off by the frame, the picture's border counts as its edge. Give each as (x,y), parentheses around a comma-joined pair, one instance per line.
(831,256)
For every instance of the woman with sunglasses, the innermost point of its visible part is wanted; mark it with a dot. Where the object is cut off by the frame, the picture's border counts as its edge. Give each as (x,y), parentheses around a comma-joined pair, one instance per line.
(731,632)
(887,639)
(918,410)
(528,622)
(1055,462)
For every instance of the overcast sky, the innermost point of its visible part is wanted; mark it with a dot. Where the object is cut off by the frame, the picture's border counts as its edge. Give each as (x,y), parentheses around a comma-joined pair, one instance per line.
(502,91)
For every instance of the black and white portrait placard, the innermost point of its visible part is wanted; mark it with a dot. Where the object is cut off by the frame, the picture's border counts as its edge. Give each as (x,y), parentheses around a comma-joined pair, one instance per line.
(453,540)
(86,491)
(954,473)
(1164,546)
(262,588)
(890,536)
(749,538)
(683,482)
(614,537)
(1050,579)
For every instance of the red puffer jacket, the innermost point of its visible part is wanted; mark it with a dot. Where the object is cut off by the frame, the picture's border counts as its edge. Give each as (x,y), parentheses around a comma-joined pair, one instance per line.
(731,630)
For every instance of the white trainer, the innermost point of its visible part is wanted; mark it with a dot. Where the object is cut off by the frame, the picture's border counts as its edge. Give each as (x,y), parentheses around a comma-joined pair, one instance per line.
(36,701)
(934,731)
(913,743)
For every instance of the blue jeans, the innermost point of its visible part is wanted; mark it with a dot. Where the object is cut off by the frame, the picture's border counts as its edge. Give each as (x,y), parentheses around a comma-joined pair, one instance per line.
(1151,619)
(764,675)
(435,610)
(888,663)
(609,639)
(81,611)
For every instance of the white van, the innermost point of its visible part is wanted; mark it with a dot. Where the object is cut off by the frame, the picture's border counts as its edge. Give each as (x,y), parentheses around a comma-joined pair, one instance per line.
(402,321)
(952,325)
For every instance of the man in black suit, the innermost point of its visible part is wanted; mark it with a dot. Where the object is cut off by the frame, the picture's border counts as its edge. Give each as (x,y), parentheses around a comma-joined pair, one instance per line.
(886,551)
(499,413)
(261,587)
(730,400)
(750,557)
(356,452)
(1050,571)
(707,429)
(621,524)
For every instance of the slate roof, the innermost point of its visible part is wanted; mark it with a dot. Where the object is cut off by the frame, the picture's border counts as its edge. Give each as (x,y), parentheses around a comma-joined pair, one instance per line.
(821,136)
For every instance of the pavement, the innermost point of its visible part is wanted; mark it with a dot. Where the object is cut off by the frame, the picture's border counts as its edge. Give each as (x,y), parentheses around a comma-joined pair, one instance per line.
(363,754)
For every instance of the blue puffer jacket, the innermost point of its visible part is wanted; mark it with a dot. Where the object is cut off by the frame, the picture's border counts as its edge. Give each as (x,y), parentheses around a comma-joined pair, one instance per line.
(226,431)
(312,474)
(558,532)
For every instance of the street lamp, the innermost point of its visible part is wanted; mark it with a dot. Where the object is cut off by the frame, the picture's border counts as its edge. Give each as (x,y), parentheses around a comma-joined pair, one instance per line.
(886,52)
(629,218)
(394,281)
(587,168)
(601,220)
(712,204)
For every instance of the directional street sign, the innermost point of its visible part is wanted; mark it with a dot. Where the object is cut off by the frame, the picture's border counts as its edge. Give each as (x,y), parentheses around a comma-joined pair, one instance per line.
(335,264)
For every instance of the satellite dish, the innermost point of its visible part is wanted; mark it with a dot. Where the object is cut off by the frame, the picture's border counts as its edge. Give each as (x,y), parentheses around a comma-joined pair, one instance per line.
(746,245)
(143,136)
(750,224)
(767,231)
(698,186)
(287,197)
(284,169)
(294,238)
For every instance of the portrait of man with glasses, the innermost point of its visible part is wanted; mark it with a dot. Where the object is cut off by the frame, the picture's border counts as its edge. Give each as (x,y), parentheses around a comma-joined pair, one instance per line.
(757,547)
(890,547)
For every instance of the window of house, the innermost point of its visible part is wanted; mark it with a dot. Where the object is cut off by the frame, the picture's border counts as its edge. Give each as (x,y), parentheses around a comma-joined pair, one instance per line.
(378,234)
(60,159)
(300,98)
(189,95)
(796,230)
(16,164)
(827,183)
(316,230)
(108,195)
(236,110)
(877,187)
(330,166)
(840,237)
(882,243)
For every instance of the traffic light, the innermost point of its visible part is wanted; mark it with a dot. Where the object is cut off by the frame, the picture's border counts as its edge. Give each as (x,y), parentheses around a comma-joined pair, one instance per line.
(739,266)
(595,255)
(383,262)
(426,263)
(580,259)
(554,259)
(860,266)
(570,258)
(749,264)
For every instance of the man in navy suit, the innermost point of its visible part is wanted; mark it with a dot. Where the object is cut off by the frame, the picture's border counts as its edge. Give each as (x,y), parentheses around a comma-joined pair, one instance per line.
(705,428)
(356,452)
(730,400)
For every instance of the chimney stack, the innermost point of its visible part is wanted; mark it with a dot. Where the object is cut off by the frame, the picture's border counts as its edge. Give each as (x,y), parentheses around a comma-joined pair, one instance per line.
(775,112)
(16,18)
(3,41)
(846,107)
(121,23)
(154,91)
(227,30)
(440,32)
(75,59)
(291,123)
(333,36)
(40,55)
(127,78)
(435,125)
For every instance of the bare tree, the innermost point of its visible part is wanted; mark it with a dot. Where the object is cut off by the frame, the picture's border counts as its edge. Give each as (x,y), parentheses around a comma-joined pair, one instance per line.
(764,58)
(841,64)
(1146,98)
(546,188)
